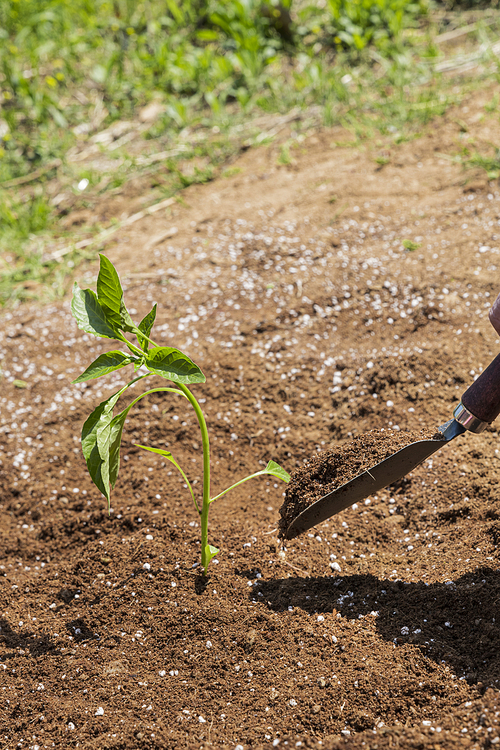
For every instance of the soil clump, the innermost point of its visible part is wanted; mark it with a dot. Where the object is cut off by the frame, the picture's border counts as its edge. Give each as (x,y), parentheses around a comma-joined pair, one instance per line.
(330,469)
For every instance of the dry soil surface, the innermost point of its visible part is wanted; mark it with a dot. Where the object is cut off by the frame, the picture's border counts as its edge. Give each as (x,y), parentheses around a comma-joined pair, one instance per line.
(291,287)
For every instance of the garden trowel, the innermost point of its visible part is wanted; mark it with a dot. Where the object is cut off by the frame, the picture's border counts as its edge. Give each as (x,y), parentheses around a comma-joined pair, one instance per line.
(479,407)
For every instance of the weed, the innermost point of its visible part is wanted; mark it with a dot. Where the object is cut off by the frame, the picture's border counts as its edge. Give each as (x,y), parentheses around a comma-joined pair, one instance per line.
(410,245)
(284,157)
(231,172)
(490,164)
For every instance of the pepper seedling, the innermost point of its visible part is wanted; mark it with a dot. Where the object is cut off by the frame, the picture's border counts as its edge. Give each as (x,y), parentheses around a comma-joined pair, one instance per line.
(105,315)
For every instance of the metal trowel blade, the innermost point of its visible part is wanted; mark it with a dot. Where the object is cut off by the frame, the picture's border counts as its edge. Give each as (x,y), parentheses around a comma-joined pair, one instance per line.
(372,480)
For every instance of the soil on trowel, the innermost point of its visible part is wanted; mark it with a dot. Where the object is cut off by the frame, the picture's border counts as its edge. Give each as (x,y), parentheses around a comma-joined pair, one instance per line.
(332,468)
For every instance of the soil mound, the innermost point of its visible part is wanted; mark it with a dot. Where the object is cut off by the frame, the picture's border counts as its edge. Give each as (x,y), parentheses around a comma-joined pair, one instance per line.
(330,469)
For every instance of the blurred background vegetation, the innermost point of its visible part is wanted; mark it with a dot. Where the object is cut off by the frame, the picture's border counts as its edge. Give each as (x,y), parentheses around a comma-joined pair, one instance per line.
(70,68)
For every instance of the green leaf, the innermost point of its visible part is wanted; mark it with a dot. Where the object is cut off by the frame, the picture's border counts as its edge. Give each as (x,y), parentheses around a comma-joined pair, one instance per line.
(90,316)
(96,439)
(127,323)
(104,364)
(210,552)
(98,469)
(103,430)
(410,245)
(99,472)
(173,365)
(101,438)
(109,289)
(145,327)
(115,440)
(161,452)
(207,35)
(177,13)
(110,296)
(277,471)
(89,430)
(170,458)
(138,363)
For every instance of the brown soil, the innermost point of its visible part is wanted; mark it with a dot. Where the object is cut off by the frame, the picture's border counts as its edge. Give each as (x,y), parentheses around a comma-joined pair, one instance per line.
(329,470)
(313,324)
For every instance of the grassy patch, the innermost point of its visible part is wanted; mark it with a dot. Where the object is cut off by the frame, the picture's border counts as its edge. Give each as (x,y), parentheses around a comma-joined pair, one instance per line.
(490,163)
(77,78)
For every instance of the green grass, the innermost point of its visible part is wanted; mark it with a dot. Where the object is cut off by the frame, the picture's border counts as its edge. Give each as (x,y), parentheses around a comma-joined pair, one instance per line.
(59,57)
(70,68)
(490,163)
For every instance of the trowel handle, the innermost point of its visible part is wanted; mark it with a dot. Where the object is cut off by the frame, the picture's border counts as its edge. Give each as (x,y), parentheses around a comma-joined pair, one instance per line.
(495,315)
(482,398)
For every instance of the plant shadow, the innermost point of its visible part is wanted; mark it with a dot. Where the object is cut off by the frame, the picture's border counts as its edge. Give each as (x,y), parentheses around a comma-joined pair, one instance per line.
(454,622)
(36,645)
(200,584)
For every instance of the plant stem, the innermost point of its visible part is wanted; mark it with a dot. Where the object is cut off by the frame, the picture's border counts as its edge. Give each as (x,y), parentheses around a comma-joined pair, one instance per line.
(147,339)
(188,483)
(137,349)
(132,346)
(172,460)
(252,476)
(205,548)
(153,390)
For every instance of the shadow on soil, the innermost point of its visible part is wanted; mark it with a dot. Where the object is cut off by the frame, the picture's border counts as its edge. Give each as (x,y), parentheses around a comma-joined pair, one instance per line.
(454,622)
(36,645)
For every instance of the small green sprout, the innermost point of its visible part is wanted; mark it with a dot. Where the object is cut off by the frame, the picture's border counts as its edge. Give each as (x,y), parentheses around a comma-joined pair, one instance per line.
(19,384)
(410,245)
(105,315)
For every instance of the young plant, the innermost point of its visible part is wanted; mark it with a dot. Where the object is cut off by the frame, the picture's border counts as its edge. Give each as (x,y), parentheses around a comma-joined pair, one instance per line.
(104,314)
